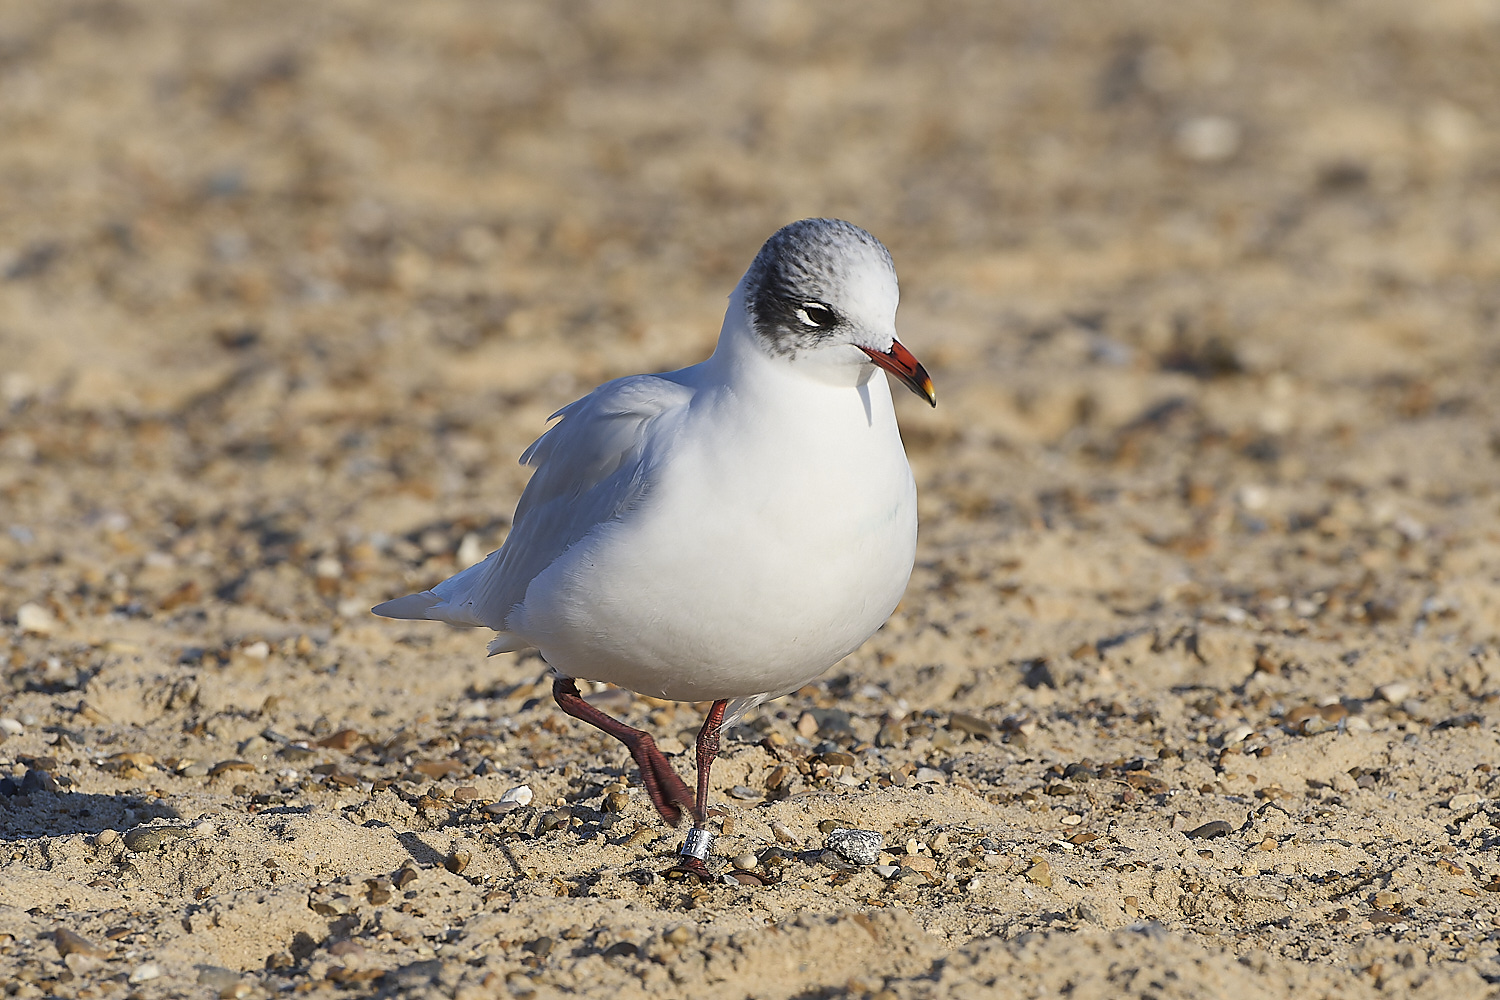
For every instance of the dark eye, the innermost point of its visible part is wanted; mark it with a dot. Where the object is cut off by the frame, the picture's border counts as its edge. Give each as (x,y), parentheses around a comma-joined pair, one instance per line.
(817,315)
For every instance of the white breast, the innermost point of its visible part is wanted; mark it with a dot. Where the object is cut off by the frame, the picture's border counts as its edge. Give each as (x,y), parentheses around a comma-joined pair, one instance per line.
(777,540)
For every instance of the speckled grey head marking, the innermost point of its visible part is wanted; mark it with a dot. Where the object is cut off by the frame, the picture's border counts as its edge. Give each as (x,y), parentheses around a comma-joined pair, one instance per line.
(794,286)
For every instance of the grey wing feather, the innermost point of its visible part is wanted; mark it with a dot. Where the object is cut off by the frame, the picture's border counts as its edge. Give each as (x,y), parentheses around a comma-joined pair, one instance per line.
(591,466)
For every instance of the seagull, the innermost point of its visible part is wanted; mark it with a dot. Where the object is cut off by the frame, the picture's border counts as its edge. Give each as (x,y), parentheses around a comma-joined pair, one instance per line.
(722,533)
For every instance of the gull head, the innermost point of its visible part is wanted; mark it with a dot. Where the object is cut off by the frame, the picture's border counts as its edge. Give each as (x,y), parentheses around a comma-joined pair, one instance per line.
(822,293)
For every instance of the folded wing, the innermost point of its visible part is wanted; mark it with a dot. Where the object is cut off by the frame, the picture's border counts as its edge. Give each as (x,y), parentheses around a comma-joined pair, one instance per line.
(593,465)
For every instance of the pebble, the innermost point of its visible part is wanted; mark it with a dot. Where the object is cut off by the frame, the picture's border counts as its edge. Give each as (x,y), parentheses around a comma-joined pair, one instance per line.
(1216,828)
(743,792)
(926,775)
(217,978)
(521,795)
(861,847)
(225,766)
(782,833)
(746,861)
(12,727)
(36,619)
(149,838)
(105,838)
(146,973)
(70,943)
(1207,138)
(886,871)
(333,906)
(919,863)
(971,724)
(1395,692)
(1465,801)
(1237,735)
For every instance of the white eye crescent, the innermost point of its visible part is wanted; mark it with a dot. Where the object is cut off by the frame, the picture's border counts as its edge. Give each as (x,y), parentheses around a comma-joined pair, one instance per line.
(817,316)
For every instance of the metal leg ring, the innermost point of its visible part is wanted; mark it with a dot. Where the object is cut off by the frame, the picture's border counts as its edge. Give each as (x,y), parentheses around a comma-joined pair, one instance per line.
(697,845)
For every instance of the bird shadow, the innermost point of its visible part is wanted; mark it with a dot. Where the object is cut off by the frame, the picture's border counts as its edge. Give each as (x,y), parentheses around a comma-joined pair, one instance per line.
(35,814)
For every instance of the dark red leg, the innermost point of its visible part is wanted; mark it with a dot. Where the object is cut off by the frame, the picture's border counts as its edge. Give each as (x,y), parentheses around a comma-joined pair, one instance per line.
(708,749)
(667,791)
(688,864)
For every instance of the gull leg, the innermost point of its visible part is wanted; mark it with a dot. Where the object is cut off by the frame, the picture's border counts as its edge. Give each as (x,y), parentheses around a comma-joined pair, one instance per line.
(708,749)
(691,858)
(667,791)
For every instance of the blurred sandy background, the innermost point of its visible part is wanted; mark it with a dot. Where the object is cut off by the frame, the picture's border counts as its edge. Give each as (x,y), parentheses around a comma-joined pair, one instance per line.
(1193,692)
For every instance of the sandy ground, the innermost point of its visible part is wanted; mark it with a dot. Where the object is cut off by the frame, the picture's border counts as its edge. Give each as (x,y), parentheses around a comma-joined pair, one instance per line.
(1193,693)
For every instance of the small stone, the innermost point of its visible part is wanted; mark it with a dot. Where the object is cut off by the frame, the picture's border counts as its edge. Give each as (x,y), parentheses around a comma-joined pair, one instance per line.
(36,619)
(939,843)
(679,935)
(1040,873)
(521,795)
(929,775)
(860,847)
(919,863)
(1465,801)
(1395,692)
(890,735)
(12,727)
(742,792)
(145,973)
(344,739)
(105,838)
(1237,735)
(70,943)
(746,861)
(217,978)
(332,906)
(1207,139)
(885,871)
(1385,899)
(404,878)
(144,839)
(971,724)
(457,862)
(1216,828)
(225,766)
(782,833)
(346,949)
(807,726)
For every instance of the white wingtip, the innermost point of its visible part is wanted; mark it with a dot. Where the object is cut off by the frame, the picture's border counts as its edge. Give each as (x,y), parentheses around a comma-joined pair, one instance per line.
(412,606)
(507,642)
